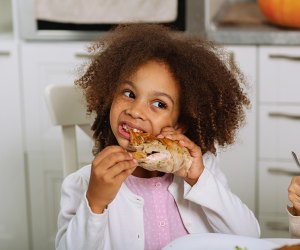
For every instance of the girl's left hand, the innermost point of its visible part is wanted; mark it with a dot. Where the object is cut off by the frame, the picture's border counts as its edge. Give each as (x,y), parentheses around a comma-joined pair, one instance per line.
(197,167)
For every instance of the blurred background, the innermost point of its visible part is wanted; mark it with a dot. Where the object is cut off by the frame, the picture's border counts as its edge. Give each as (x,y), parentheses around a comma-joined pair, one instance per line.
(45,42)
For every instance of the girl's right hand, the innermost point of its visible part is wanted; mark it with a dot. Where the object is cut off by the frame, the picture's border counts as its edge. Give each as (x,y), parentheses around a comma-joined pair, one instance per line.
(192,175)
(294,194)
(109,169)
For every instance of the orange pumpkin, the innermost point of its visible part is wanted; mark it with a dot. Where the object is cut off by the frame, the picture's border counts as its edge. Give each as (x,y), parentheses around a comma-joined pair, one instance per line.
(281,12)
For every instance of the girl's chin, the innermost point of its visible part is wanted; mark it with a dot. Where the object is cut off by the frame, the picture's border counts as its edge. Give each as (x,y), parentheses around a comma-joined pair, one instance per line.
(123,142)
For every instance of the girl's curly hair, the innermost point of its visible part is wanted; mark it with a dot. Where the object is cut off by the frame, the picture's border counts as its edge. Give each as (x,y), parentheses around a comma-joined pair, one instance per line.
(212,94)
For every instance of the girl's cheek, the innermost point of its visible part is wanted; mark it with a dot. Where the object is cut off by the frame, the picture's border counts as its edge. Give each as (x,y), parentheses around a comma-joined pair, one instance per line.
(115,100)
(117,103)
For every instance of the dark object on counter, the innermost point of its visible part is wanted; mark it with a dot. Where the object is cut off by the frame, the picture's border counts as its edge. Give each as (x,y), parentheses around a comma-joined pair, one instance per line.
(241,14)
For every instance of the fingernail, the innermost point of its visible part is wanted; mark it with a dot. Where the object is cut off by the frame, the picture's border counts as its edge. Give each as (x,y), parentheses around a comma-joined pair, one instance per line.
(160,136)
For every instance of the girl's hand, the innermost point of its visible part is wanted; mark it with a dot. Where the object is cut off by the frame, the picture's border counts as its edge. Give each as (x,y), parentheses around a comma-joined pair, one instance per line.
(109,169)
(197,167)
(294,194)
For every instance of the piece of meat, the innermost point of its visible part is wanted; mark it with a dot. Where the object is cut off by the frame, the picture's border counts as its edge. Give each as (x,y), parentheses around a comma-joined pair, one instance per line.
(161,154)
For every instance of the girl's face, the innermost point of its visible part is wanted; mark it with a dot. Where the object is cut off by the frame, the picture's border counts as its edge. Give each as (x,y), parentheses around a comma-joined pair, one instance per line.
(147,101)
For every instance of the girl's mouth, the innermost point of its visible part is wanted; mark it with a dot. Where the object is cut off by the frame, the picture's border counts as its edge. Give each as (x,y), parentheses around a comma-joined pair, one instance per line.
(124,130)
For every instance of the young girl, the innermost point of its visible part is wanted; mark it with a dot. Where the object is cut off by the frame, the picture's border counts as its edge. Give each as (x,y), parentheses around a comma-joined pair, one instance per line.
(150,78)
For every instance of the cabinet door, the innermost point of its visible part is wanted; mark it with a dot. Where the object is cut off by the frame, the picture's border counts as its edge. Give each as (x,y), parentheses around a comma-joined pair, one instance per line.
(279,74)
(239,160)
(274,179)
(44,64)
(279,131)
(13,209)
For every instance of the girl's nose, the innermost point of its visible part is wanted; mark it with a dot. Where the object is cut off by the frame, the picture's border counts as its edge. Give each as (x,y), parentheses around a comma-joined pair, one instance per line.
(136,111)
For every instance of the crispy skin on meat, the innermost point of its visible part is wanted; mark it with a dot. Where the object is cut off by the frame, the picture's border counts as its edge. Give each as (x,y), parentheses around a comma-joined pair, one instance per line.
(161,154)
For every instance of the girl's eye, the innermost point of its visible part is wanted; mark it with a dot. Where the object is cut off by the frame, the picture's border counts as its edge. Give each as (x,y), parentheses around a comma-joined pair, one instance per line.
(160,104)
(129,93)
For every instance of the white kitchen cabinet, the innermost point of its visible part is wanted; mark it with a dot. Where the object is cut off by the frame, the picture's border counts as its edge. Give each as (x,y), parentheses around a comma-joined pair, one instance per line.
(278,133)
(13,209)
(274,178)
(239,160)
(44,64)
(279,74)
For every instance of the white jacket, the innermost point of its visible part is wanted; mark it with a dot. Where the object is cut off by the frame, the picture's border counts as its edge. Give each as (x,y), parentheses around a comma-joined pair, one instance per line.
(208,206)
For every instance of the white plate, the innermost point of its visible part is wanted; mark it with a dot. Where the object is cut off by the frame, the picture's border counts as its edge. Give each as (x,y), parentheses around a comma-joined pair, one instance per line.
(215,241)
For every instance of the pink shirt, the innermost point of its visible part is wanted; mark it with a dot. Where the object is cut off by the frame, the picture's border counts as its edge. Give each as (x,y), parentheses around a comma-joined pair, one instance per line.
(162,221)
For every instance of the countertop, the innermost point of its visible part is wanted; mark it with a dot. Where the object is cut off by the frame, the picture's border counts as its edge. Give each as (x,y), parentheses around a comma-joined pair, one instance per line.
(243,23)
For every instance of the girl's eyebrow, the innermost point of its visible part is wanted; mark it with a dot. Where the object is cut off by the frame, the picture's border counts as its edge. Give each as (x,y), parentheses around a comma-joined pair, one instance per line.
(156,93)
(128,82)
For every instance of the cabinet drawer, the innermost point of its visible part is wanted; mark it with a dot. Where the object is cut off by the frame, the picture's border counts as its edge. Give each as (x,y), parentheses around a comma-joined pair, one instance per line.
(279,131)
(279,74)
(274,179)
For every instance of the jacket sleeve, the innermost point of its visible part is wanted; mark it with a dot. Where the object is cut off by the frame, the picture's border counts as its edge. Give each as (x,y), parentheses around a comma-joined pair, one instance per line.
(224,211)
(78,227)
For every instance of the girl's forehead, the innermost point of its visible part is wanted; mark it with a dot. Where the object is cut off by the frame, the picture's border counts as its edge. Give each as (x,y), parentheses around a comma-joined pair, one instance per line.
(159,63)
(154,74)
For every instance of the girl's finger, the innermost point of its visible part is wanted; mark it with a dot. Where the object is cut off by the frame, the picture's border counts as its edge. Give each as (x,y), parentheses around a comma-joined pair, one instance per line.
(107,151)
(125,173)
(297,191)
(120,167)
(169,131)
(294,198)
(111,159)
(182,139)
(296,205)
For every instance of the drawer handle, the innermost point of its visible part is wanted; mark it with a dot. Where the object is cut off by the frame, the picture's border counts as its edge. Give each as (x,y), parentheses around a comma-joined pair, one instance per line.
(4,53)
(282,171)
(284,115)
(285,57)
(277,226)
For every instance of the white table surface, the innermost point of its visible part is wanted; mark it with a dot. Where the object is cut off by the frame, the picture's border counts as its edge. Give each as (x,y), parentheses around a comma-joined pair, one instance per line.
(216,241)
(283,241)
